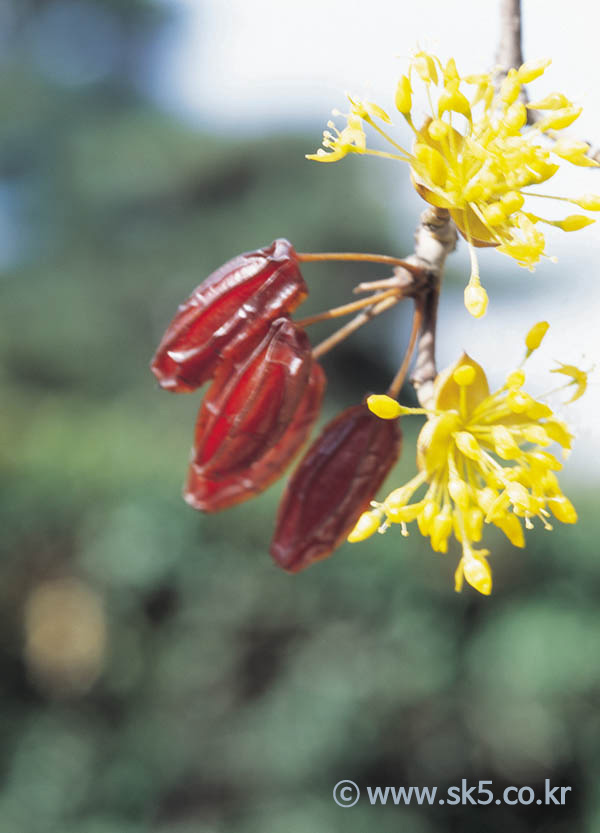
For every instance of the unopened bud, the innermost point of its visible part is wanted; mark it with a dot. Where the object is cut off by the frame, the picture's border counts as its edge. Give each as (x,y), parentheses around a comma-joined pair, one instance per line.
(534,337)
(404,96)
(476,299)
(384,406)
(366,525)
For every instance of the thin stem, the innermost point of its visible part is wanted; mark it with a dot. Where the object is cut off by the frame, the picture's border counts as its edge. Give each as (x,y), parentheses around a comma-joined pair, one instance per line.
(369,286)
(548,197)
(390,140)
(306,257)
(474,263)
(398,380)
(352,326)
(346,309)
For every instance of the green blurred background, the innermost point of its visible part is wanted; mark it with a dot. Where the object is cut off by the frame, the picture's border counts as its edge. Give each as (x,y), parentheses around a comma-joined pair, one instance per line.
(158,673)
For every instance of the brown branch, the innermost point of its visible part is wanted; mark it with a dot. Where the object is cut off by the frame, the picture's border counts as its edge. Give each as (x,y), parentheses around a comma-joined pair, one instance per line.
(509,53)
(424,373)
(435,239)
(417,322)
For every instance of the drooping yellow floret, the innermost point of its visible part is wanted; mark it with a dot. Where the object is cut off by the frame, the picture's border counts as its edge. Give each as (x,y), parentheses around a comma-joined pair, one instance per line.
(482,458)
(577,376)
(475,155)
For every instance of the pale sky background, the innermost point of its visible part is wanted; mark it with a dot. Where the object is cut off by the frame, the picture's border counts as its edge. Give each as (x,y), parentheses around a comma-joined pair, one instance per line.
(258,66)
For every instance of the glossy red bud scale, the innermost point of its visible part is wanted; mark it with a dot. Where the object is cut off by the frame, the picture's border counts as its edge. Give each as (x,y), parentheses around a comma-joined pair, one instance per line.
(333,484)
(250,404)
(213,495)
(228,314)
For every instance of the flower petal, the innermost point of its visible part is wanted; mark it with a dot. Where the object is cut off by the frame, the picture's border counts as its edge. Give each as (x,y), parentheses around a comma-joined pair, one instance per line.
(447,390)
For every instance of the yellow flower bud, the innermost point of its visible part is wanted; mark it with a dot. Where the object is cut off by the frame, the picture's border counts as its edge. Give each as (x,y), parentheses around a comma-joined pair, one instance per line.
(433,162)
(366,525)
(574,152)
(512,201)
(438,129)
(546,459)
(510,88)
(467,445)
(559,119)
(375,110)
(397,499)
(459,577)
(558,431)
(520,498)
(450,71)
(574,222)
(404,96)
(578,377)
(519,401)
(543,171)
(553,101)
(536,434)
(516,379)
(473,519)
(477,572)
(486,498)
(384,406)
(511,527)
(549,483)
(534,337)
(406,514)
(441,528)
(539,411)
(591,202)
(494,214)
(474,190)
(504,443)
(425,518)
(531,70)
(425,67)
(562,509)
(476,298)
(452,99)
(457,524)
(459,491)
(516,116)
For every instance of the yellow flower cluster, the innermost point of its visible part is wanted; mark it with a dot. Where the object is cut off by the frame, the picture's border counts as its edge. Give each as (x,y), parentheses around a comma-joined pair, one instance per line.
(475,154)
(483,457)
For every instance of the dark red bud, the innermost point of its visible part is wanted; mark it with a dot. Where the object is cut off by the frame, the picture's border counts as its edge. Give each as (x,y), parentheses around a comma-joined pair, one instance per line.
(250,404)
(213,495)
(333,484)
(228,314)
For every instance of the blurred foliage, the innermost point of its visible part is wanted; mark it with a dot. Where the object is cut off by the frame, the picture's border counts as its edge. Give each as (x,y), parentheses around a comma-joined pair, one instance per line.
(158,673)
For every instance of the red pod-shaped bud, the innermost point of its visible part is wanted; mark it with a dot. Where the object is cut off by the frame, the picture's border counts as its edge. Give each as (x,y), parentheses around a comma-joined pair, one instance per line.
(333,485)
(213,495)
(250,404)
(228,314)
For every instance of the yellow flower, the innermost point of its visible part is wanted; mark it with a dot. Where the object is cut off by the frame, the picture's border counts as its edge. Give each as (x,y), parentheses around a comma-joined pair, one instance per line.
(578,379)
(476,156)
(482,458)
